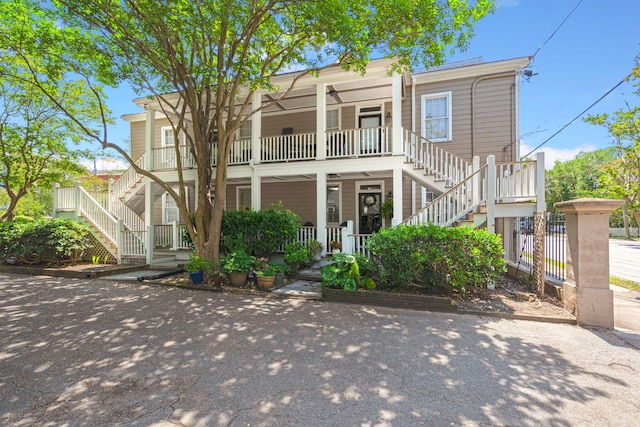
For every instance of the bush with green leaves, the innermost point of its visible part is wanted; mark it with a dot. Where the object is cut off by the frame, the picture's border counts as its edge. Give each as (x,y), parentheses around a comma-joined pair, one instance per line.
(296,253)
(43,241)
(433,256)
(344,272)
(260,233)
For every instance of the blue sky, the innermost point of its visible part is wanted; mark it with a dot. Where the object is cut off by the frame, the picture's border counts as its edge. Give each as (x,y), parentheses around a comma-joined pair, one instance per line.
(592,51)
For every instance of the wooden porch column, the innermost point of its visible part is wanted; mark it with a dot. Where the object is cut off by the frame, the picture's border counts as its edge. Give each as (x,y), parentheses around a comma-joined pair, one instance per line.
(256,191)
(491,194)
(149,137)
(586,291)
(321,209)
(397,196)
(149,212)
(321,121)
(256,127)
(397,146)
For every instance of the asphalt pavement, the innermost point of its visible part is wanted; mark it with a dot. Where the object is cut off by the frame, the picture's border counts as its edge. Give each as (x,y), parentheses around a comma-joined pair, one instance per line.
(99,352)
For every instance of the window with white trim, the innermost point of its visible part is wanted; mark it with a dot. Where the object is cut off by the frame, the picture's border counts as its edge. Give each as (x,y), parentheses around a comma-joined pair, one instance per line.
(436,117)
(168,136)
(333,120)
(245,130)
(170,210)
(333,204)
(243,199)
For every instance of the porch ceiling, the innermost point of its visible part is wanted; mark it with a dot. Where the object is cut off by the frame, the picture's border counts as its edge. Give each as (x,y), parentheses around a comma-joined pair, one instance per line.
(312,177)
(347,92)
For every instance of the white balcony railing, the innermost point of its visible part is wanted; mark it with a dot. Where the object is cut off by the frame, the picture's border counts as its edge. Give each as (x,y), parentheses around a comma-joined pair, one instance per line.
(301,146)
(359,142)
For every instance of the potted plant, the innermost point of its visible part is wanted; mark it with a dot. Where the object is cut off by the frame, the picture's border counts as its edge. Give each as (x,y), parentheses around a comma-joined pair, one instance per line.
(336,246)
(237,264)
(315,249)
(196,267)
(386,210)
(281,270)
(265,273)
(295,254)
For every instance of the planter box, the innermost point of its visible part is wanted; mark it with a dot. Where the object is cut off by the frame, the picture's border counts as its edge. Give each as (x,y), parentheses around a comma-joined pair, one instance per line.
(389,299)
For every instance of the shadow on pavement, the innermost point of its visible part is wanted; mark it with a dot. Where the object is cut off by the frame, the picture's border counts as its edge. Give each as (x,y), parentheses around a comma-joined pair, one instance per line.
(99,352)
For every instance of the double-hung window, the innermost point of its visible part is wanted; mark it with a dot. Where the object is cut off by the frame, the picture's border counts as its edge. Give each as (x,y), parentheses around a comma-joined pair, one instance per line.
(333,120)
(436,117)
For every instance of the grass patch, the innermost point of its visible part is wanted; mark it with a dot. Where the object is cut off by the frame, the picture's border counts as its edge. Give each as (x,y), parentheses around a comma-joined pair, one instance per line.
(629,284)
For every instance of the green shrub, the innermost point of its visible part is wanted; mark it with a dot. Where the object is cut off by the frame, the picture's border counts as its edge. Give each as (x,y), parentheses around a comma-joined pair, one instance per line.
(237,262)
(435,256)
(260,233)
(342,273)
(295,253)
(43,241)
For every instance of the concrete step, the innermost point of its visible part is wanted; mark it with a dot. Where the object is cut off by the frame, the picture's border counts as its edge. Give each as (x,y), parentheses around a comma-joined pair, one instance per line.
(300,288)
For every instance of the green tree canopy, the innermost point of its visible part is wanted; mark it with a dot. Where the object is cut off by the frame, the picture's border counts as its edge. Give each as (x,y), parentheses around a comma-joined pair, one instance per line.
(622,174)
(200,61)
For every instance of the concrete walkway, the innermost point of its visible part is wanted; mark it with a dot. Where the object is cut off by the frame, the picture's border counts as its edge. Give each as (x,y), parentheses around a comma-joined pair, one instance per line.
(100,352)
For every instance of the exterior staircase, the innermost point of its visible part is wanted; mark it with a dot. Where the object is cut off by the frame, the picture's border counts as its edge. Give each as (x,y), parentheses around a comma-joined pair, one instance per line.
(491,191)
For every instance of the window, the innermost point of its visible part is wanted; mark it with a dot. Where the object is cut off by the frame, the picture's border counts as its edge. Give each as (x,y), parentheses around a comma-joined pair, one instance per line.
(333,204)
(333,120)
(168,136)
(436,112)
(243,200)
(170,211)
(245,130)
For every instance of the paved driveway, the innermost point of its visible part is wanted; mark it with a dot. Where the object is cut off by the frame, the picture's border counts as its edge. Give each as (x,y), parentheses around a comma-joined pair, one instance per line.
(78,352)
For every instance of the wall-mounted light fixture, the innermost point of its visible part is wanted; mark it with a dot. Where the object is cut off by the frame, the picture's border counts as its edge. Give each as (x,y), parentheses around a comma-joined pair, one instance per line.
(388,116)
(390,195)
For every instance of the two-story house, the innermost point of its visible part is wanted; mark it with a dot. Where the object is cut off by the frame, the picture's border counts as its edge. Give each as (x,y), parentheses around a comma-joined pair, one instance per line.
(442,144)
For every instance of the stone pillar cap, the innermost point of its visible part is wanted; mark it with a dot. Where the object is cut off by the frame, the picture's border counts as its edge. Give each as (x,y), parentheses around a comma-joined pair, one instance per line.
(588,205)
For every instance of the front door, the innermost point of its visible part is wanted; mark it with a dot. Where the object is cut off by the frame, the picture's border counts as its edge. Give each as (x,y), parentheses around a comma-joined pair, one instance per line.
(369,211)
(370,133)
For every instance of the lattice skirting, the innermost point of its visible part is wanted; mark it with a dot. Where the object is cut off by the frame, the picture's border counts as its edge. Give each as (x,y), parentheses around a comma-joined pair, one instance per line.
(95,248)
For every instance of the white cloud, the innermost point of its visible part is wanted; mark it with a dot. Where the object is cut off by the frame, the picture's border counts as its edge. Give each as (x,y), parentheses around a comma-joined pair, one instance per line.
(552,154)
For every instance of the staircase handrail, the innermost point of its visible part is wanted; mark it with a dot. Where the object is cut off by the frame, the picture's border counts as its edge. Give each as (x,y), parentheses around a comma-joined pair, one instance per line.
(97,214)
(434,159)
(130,219)
(451,205)
(127,180)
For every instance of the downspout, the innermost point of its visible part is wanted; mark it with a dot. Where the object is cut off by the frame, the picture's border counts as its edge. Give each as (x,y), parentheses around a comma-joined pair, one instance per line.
(473,104)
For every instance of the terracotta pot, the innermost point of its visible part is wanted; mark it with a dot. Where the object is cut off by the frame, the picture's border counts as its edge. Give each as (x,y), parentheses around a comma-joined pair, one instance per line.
(238,278)
(265,282)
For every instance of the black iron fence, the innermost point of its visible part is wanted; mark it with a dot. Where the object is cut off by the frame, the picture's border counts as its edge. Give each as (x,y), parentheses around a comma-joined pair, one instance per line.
(554,245)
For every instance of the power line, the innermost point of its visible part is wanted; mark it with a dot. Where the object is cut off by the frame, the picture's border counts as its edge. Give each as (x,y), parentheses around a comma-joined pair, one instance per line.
(578,116)
(556,30)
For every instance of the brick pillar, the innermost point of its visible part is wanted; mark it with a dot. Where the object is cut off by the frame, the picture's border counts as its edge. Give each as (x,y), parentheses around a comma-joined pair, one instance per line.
(586,291)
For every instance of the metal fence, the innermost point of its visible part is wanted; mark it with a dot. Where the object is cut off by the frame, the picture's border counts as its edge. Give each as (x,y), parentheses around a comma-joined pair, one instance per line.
(554,245)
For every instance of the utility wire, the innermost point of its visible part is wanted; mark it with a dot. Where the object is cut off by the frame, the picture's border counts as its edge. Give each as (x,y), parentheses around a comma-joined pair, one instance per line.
(556,30)
(578,116)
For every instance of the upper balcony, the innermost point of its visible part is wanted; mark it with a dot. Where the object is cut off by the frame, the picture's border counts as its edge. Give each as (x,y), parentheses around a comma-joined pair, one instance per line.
(349,143)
